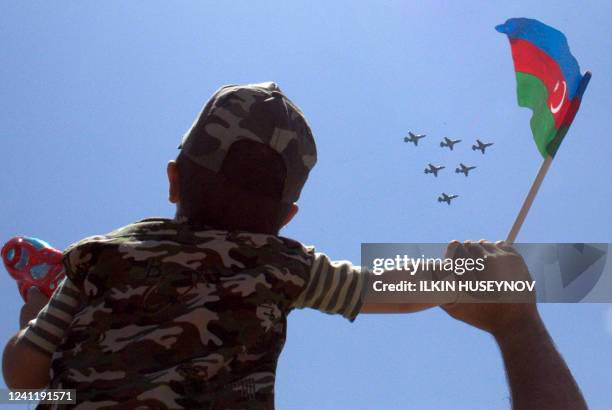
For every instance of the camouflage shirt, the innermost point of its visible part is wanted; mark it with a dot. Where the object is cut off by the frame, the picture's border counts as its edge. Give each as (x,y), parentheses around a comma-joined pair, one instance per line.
(175,318)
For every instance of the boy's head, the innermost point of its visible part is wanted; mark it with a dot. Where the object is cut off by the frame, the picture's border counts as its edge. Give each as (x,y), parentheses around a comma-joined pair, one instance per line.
(244,160)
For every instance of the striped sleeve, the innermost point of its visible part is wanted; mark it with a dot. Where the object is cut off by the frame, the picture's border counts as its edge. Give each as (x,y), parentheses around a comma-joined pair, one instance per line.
(335,287)
(47,330)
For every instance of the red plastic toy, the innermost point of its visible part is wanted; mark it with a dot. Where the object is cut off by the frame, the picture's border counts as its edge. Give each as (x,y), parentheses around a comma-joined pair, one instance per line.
(33,262)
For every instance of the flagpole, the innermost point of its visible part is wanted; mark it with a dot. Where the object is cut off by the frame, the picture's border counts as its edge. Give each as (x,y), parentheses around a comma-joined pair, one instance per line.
(520,218)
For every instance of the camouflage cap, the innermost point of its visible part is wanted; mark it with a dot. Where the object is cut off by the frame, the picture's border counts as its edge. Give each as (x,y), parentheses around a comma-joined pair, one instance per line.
(258,112)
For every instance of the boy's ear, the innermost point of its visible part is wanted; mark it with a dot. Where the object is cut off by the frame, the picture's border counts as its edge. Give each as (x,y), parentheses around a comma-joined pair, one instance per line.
(293,210)
(173,182)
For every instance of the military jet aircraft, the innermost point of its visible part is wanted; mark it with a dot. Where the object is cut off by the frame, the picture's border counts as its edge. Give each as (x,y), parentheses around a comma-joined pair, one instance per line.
(414,138)
(432,169)
(446,198)
(481,146)
(449,143)
(463,169)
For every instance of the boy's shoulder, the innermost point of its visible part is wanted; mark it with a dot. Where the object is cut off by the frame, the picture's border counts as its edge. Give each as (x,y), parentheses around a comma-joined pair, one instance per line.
(172,230)
(159,236)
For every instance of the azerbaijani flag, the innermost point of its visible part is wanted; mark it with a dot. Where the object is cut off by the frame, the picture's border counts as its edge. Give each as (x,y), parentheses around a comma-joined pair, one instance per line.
(548,79)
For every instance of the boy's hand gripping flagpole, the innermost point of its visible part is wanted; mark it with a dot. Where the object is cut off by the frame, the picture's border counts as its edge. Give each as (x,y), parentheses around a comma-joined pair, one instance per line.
(549,82)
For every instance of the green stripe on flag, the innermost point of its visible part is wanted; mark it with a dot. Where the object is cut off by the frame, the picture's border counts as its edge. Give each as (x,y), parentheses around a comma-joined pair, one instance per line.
(532,93)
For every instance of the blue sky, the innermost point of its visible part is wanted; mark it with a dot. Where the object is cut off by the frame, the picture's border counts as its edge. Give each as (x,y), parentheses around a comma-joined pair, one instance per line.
(94,98)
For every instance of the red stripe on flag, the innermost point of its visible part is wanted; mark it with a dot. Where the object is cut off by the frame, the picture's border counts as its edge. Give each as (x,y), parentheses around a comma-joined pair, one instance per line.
(530,59)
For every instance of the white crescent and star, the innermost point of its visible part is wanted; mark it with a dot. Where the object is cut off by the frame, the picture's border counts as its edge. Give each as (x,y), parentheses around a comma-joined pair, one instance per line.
(556,108)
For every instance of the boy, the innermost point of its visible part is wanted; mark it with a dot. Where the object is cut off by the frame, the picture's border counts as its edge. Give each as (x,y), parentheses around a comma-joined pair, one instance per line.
(191,312)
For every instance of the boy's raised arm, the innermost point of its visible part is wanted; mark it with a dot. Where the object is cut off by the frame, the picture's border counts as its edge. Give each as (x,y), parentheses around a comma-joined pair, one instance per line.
(339,287)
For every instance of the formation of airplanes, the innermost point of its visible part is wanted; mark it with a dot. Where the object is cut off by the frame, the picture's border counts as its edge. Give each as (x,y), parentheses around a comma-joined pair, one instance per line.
(450,144)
